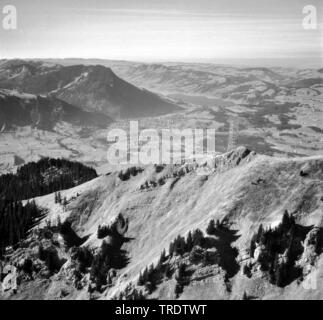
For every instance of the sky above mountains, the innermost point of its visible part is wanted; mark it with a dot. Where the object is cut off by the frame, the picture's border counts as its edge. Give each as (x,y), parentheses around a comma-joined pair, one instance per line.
(168,30)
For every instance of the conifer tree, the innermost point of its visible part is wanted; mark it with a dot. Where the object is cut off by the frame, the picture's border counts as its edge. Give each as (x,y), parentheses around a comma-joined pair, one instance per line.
(171,249)
(260,234)
(168,271)
(145,276)
(162,258)
(210,230)
(141,280)
(178,289)
(189,242)
(198,238)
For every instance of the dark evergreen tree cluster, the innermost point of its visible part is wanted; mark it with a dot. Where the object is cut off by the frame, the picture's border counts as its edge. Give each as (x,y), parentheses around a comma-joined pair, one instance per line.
(101,265)
(181,245)
(104,231)
(111,230)
(153,274)
(126,174)
(285,239)
(15,221)
(110,256)
(178,289)
(50,257)
(32,180)
(130,294)
(27,266)
(181,272)
(180,279)
(135,295)
(274,239)
(213,226)
(148,277)
(43,177)
(195,245)
(84,257)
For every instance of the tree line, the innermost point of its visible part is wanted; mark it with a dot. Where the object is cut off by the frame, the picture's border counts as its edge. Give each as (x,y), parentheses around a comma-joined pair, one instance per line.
(43,177)
(15,221)
(32,180)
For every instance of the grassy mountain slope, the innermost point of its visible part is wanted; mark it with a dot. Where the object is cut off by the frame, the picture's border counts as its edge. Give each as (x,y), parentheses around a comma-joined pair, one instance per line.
(160,203)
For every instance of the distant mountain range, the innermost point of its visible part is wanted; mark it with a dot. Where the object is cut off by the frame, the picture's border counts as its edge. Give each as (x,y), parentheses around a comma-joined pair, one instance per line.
(93,88)
(237,83)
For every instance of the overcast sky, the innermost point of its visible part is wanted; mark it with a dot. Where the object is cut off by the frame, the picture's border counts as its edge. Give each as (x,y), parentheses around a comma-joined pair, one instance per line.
(157,30)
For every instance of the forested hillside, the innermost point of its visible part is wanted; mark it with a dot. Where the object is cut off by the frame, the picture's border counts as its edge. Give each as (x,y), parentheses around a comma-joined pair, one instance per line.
(45,176)
(32,180)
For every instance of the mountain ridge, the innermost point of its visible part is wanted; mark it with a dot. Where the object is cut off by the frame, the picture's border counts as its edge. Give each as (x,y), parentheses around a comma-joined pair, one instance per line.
(94,88)
(246,190)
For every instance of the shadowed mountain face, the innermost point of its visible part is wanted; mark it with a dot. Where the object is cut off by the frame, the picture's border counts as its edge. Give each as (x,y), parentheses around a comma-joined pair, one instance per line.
(43,112)
(94,88)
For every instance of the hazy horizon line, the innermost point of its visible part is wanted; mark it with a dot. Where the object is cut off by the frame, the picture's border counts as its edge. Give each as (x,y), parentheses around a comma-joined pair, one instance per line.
(260,62)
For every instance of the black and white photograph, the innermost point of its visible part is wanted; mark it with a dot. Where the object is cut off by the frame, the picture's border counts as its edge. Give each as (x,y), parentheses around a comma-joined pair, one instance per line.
(166,150)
